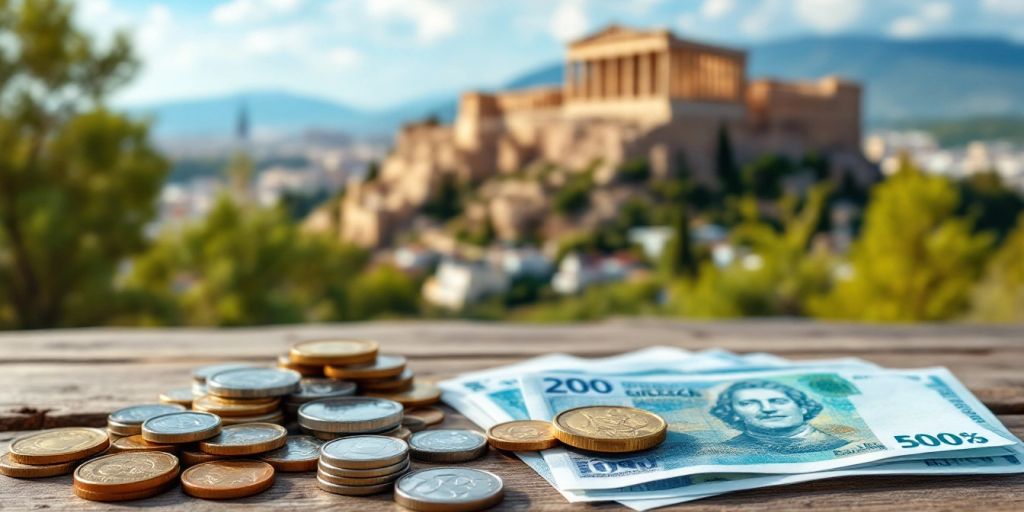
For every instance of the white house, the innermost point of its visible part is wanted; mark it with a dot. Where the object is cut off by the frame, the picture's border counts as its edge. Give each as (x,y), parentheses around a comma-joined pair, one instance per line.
(457,284)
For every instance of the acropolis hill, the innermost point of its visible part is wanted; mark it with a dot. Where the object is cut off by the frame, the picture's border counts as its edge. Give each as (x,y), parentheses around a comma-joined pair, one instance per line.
(627,94)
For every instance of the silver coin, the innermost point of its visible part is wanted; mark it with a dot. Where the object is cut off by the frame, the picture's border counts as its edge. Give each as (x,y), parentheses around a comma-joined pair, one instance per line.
(449,489)
(137,414)
(253,383)
(295,449)
(350,415)
(362,481)
(447,445)
(199,375)
(364,452)
(352,490)
(328,469)
(315,389)
(181,427)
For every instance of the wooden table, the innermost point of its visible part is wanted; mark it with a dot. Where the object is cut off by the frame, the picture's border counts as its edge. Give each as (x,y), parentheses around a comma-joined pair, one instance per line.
(76,377)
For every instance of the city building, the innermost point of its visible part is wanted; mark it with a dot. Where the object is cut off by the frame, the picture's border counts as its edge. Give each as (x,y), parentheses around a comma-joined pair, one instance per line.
(457,284)
(627,94)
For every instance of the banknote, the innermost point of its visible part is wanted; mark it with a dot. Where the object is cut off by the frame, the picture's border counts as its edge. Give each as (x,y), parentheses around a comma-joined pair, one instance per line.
(770,421)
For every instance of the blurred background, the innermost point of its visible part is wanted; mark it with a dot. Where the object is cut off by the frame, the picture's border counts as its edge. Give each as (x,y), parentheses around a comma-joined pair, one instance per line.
(244,162)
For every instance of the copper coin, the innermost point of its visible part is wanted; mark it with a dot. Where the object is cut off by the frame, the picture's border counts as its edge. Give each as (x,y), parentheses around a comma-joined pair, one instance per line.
(391,385)
(245,439)
(137,444)
(126,472)
(18,470)
(226,479)
(421,393)
(122,496)
(236,407)
(430,415)
(334,352)
(306,370)
(192,457)
(385,366)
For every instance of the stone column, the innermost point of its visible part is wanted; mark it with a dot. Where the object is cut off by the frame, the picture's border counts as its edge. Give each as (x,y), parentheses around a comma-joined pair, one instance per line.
(644,88)
(628,76)
(664,76)
(569,80)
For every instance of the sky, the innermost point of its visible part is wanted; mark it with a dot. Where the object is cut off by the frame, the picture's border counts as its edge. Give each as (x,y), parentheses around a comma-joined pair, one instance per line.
(380,53)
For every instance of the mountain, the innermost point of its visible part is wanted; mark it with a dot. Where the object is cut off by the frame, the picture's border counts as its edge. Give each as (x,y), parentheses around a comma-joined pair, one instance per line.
(905,80)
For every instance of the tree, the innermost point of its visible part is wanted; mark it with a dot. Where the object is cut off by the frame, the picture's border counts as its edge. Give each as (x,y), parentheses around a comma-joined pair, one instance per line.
(678,259)
(447,203)
(999,297)
(78,182)
(915,260)
(725,165)
(244,266)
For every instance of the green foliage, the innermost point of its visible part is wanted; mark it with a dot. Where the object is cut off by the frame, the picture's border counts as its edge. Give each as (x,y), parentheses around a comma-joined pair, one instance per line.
(915,260)
(574,196)
(764,176)
(447,202)
(678,258)
(636,170)
(777,277)
(383,291)
(619,299)
(243,266)
(999,297)
(372,171)
(959,132)
(726,169)
(78,182)
(991,204)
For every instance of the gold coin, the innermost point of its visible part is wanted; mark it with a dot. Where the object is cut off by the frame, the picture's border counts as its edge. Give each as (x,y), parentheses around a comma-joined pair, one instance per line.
(422,393)
(522,436)
(179,396)
(226,479)
(299,454)
(385,366)
(398,432)
(391,385)
(137,444)
(58,445)
(18,470)
(192,457)
(122,496)
(429,415)
(126,472)
(609,428)
(334,352)
(236,407)
(306,370)
(246,439)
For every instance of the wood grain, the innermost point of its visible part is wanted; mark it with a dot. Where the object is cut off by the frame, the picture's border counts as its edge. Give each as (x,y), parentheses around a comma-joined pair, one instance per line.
(76,377)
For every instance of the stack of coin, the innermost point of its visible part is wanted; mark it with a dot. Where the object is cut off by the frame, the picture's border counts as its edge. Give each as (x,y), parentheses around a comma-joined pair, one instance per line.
(362,465)
(128,420)
(52,452)
(181,427)
(199,375)
(126,476)
(245,439)
(306,370)
(330,418)
(586,428)
(248,395)
(447,445)
(449,489)
(315,389)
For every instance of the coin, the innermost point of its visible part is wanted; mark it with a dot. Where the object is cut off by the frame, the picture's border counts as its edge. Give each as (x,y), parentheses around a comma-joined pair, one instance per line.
(181,427)
(363,481)
(315,389)
(306,370)
(137,444)
(18,470)
(122,496)
(245,439)
(364,452)
(236,407)
(398,432)
(422,393)
(522,436)
(126,472)
(299,453)
(350,415)
(449,490)
(609,428)
(193,457)
(272,417)
(334,352)
(327,468)
(394,384)
(179,396)
(199,375)
(225,479)
(128,420)
(352,490)
(58,445)
(447,445)
(253,383)
(385,366)
(430,415)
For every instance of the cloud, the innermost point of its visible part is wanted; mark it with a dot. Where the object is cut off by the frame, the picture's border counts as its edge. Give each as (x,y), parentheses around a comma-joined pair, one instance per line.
(287,40)
(716,9)
(1003,7)
(344,57)
(569,20)
(246,11)
(432,20)
(762,18)
(828,16)
(921,22)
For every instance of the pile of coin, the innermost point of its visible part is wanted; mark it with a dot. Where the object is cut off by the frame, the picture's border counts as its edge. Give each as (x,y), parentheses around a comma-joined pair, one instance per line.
(314,389)
(126,476)
(52,452)
(248,395)
(362,465)
(331,418)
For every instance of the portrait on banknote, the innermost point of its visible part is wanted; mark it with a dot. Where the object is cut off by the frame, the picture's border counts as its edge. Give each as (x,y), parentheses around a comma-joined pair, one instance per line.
(772,416)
